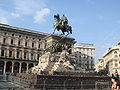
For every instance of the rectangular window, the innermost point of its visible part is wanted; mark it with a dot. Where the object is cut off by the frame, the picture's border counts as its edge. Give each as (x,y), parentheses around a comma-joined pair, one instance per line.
(19,43)
(11,41)
(31,56)
(33,44)
(10,53)
(25,55)
(4,40)
(18,54)
(26,44)
(2,52)
(87,62)
(38,56)
(91,62)
(91,57)
(39,46)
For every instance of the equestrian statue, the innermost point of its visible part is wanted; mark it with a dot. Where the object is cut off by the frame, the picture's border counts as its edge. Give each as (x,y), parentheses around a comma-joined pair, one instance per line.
(61,24)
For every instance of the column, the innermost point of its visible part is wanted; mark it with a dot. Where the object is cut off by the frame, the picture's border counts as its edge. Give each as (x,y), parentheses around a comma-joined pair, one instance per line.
(37,44)
(0,51)
(22,54)
(16,41)
(7,52)
(15,51)
(27,68)
(1,39)
(23,42)
(29,55)
(8,40)
(35,56)
(20,67)
(30,43)
(12,67)
(4,67)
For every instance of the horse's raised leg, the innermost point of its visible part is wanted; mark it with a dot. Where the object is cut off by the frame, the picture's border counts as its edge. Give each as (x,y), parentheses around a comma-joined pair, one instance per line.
(67,33)
(70,30)
(63,32)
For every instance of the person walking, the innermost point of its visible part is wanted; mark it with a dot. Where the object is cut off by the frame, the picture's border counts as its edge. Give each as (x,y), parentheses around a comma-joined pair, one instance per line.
(115,81)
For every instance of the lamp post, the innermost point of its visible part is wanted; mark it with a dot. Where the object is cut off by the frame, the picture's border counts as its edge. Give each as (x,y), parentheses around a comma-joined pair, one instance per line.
(44,84)
(64,84)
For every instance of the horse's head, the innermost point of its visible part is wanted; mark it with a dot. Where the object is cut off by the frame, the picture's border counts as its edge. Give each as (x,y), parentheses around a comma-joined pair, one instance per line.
(57,17)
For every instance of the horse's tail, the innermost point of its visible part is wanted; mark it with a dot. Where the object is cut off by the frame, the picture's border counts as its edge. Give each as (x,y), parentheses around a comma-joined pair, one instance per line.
(70,29)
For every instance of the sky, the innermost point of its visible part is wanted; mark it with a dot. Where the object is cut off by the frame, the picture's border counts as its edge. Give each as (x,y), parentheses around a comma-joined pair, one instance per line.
(93,21)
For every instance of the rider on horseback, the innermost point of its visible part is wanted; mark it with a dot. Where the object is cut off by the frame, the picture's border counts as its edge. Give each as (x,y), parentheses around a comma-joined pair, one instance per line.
(62,24)
(64,20)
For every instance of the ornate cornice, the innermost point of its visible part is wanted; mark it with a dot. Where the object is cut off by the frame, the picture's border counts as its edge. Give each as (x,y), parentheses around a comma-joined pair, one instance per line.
(9,28)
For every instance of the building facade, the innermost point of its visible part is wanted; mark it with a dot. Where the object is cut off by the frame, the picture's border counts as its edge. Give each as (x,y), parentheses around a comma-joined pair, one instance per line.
(111,60)
(85,56)
(20,49)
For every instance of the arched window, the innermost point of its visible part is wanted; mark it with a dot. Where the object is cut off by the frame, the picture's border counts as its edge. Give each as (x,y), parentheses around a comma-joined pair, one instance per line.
(2,52)
(38,56)
(9,67)
(16,67)
(115,54)
(32,56)
(19,43)
(11,41)
(18,54)
(10,53)
(26,44)
(23,67)
(30,65)
(25,55)
(33,44)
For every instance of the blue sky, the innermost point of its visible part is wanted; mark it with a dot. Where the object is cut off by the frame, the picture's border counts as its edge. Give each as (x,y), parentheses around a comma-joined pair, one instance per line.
(93,21)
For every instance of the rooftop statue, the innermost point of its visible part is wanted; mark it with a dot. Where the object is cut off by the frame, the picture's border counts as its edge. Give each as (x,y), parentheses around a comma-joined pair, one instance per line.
(61,24)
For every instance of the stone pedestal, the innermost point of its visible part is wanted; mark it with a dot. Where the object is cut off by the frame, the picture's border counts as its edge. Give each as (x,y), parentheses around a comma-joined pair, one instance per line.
(57,56)
(57,43)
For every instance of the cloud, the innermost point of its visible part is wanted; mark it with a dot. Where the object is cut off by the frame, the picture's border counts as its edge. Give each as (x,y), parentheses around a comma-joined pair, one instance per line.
(40,15)
(28,6)
(15,14)
(32,8)
(25,9)
(3,20)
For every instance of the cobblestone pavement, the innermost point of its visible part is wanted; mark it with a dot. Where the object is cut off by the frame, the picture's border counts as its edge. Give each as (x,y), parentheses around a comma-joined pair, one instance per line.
(4,85)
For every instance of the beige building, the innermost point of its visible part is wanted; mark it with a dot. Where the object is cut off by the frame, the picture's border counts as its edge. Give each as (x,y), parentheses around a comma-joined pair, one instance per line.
(84,54)
(20,49)
(111,60)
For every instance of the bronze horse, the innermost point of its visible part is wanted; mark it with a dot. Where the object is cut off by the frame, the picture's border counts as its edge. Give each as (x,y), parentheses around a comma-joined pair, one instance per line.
(61,24)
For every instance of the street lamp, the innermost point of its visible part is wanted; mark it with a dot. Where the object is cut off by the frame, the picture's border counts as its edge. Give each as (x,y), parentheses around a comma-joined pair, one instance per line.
(64,84)
(44,84)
